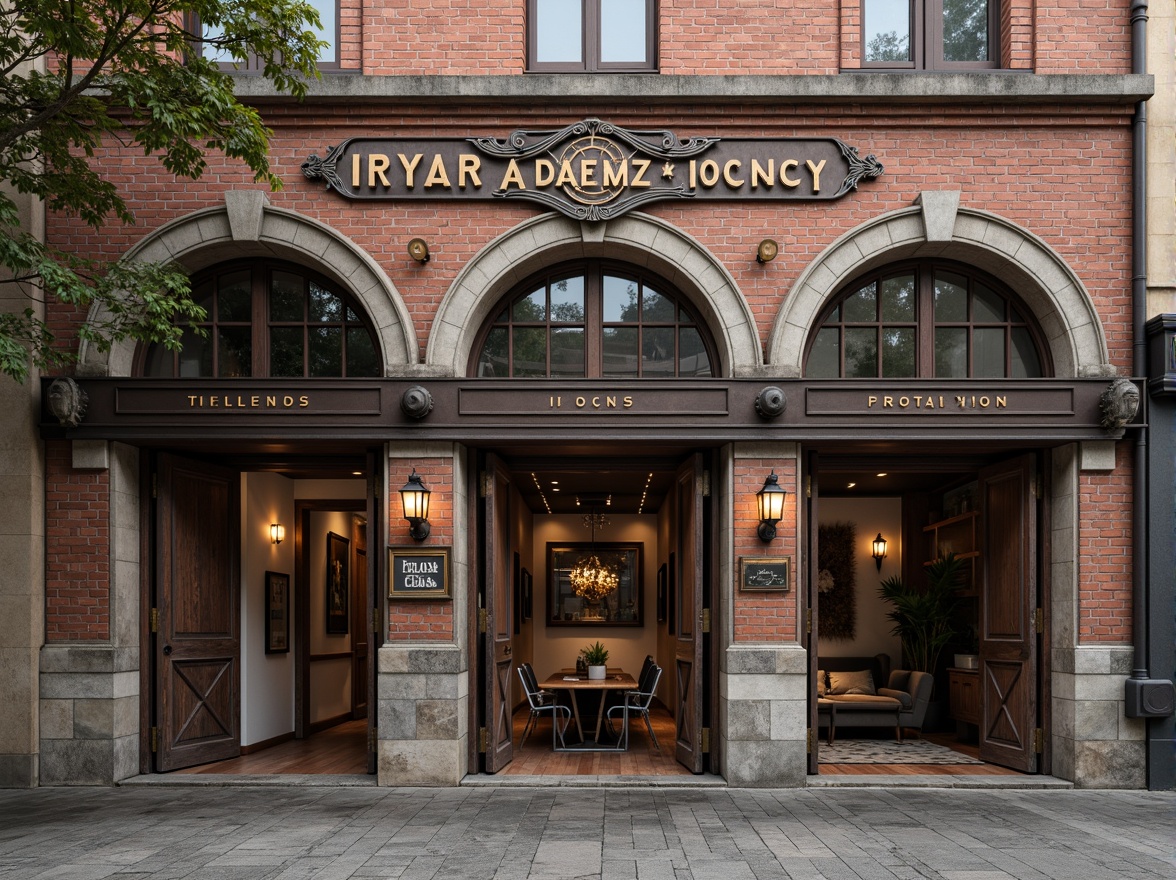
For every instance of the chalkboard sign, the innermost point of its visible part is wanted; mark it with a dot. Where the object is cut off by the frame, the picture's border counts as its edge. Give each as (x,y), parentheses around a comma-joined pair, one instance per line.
(418,573)
(770,574)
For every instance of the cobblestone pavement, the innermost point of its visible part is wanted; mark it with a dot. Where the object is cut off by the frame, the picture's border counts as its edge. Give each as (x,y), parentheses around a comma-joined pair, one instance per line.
(648,834)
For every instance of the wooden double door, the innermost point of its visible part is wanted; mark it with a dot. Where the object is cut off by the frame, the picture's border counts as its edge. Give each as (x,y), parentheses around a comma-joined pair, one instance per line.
(1010,615)
(690,627)
(193,608)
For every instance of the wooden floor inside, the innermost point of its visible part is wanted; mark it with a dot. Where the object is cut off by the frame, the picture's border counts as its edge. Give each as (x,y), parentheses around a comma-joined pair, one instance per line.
(341,749)
(942,739)
(537,758)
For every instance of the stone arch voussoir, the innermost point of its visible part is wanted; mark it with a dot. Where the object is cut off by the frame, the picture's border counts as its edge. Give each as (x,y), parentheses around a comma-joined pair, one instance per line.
(247,225)
(635,238)
(1048,287)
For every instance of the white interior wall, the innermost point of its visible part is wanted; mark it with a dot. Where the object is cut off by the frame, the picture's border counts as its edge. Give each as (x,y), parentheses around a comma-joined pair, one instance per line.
(267,680)
(330,680)
(557,647)
(870,516)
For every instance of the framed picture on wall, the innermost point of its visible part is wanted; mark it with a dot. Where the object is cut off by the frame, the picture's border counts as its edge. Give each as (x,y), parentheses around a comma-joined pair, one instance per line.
(528,608)
(662,581)
(569,604)
(516,597)
(338,581)
(277,613)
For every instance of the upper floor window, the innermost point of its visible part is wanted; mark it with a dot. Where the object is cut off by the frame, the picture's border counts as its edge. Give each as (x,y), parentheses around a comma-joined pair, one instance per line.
(928,320)
(328,11)
(930,34)
(591,35)
(269,319)
(593,320)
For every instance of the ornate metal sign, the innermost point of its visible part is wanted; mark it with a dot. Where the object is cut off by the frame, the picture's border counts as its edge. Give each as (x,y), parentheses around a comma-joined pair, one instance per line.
(592,170)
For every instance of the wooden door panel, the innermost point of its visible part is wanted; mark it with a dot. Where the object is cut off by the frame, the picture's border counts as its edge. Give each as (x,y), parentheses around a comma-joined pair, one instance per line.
(496,652)
(689,603)
(1008,600)
(197,649)
(810,627)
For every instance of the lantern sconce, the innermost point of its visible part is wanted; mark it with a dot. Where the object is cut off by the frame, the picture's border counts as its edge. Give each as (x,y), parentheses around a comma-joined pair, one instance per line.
(766,252)
(879,547)
(770,503)
(277,533)
(418,249)
(415,499)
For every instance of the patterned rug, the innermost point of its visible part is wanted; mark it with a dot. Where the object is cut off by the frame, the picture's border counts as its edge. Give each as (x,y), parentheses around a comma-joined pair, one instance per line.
(880,751)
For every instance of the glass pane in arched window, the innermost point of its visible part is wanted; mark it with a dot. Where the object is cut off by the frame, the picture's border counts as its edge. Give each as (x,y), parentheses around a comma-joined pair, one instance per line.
(593,322)
(308,329)
(930,321)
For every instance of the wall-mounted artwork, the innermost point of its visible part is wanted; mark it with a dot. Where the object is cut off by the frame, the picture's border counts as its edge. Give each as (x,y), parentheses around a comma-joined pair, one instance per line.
(836,580)
(277,613)
(594,584)
(338,571)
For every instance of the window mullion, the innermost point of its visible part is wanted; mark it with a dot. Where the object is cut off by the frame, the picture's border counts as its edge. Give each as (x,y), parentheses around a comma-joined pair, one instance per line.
(259,285)
(593,325)
(591,30)
(925,305)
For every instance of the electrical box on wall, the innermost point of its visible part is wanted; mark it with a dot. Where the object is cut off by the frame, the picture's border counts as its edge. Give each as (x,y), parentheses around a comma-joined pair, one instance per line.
(1149,698)
(1161,355)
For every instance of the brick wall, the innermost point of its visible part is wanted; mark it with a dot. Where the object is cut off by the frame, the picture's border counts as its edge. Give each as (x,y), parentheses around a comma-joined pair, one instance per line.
(417,620)
(1104,541)
(765,617)
(77,561)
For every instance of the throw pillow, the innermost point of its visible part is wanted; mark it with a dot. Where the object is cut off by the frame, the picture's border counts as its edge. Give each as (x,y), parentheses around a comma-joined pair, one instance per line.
(822,682)
(851,682)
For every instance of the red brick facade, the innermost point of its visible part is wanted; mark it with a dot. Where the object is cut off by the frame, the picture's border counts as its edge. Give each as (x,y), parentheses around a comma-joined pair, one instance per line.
(418,620)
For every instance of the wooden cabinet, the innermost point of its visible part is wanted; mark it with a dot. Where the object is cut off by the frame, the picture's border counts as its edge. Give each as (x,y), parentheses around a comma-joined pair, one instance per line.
(956,534)
(964,694)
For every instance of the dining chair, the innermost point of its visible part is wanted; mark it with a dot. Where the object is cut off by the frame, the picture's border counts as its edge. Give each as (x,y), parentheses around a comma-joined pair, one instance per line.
(637,703)
(541,701)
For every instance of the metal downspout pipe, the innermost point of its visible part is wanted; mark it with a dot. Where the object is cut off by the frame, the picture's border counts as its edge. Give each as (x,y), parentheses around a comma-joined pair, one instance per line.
(1139,342)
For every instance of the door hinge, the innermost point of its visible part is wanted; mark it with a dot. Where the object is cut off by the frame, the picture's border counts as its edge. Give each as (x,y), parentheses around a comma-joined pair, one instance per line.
(377,620)
(706,490)
(483,739)
(155,620)
(483,620)
(1038,740)
(155,485)
(809,741)
(154,739)
(372,739)
(808,621)
(705,618)
(704,740)
(808,485)
(485,484)
(1039,620)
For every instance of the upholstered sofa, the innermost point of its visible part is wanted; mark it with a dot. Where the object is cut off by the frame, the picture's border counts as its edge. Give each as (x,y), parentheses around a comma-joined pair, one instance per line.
(851,693)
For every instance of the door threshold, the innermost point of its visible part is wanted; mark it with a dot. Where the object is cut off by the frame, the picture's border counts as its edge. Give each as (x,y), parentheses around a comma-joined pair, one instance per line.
(225,780)
(553,780)
(917,780)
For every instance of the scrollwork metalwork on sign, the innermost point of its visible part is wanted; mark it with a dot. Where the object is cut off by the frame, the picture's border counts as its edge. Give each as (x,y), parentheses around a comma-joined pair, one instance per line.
(665,144)
(324,169)
(860,169)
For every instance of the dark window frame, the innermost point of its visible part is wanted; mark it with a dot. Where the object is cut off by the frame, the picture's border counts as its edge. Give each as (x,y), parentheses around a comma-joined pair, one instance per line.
(261,324)
(594,325)
(927,40)
(253,65)
(925,322)
(591,29)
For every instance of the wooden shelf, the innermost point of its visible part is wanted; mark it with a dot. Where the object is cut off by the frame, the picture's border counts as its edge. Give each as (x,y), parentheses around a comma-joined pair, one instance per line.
(956,534)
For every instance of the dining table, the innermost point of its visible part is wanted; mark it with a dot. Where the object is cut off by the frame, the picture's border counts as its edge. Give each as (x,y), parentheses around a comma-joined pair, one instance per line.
(575,683)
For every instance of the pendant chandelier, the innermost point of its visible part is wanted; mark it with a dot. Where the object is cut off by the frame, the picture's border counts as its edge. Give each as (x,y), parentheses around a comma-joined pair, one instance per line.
(592,579)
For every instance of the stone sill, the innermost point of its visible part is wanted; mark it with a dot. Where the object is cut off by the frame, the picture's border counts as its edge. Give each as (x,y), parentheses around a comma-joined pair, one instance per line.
(842,89)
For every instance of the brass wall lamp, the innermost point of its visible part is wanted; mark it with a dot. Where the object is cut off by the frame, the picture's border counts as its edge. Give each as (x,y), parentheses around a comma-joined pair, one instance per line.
(770,504)
(415,499)
(879,548)
(418,249)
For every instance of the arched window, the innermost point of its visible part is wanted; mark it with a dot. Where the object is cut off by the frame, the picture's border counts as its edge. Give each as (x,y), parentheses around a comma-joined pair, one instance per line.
(925,320)
(593,320)
(269,319)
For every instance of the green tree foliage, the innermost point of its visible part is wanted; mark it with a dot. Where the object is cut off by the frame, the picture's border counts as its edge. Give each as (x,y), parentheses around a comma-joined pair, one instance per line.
(80,75)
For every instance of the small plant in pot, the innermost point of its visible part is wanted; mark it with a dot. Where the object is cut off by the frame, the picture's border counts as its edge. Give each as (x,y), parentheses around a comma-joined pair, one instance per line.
(596,656)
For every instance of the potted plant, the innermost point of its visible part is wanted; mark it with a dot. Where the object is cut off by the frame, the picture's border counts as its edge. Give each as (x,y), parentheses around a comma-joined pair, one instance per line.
(923,619)
(596,656)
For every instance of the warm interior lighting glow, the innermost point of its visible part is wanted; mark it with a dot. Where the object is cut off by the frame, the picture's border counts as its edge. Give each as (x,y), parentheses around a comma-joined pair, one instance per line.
(770,503)
(277,533)
(415,499)
(879,547)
